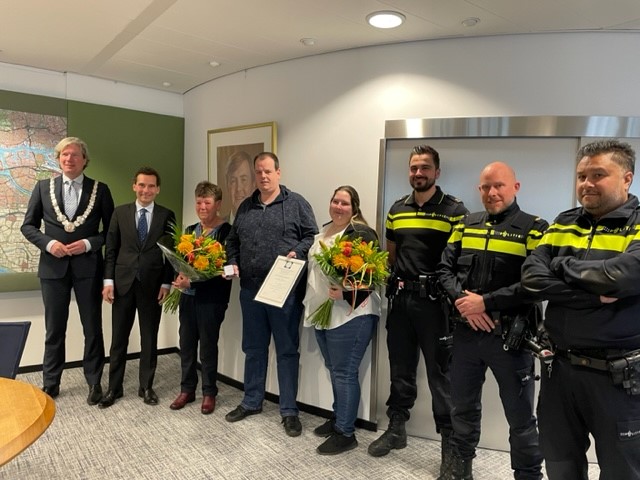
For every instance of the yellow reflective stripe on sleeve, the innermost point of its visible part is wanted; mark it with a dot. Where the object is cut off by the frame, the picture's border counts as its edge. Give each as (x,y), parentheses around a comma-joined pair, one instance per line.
(533,239)
(456,235)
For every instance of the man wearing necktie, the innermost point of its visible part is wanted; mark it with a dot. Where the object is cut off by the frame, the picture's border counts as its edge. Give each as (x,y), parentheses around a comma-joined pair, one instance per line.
(136,278)
(75,218)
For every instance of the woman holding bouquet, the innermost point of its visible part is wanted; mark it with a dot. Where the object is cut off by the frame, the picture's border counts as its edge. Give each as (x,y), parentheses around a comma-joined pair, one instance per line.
(343,340)
(202,308)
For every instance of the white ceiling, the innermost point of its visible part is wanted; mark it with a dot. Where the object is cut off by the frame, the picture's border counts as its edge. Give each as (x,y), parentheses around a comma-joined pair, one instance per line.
(168,44)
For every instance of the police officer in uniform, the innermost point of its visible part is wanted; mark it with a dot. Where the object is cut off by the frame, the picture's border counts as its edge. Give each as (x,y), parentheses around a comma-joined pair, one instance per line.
(588,267)
(417,229)
(480,270)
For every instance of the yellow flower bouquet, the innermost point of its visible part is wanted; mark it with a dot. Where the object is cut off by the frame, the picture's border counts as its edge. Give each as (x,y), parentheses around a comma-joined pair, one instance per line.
(197,257)
(352,264)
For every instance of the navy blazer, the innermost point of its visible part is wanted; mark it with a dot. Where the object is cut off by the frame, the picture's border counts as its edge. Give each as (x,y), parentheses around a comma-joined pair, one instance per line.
(40,210)
(126,258)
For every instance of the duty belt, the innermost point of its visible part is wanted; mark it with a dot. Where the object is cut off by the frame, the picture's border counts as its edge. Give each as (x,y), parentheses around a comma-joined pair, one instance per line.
(425,285)
(410,285)
(597,359)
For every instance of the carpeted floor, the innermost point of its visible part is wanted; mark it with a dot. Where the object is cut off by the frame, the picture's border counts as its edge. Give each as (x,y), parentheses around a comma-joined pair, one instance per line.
(132,440)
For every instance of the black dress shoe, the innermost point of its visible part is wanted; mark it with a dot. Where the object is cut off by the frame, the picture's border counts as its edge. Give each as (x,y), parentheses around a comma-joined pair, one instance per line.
(95,394)
(109,399)
(150,397)
(239,413)
(53,391)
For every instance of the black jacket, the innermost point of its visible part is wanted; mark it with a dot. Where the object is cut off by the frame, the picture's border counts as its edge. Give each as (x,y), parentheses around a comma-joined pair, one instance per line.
(578,260)
(485,253)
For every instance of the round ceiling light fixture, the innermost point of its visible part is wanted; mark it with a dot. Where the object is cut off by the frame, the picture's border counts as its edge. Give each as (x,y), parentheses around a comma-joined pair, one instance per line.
(470,22)
(385,19)
(308,42)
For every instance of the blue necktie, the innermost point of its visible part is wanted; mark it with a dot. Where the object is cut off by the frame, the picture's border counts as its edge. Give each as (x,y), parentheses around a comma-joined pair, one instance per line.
(142,225)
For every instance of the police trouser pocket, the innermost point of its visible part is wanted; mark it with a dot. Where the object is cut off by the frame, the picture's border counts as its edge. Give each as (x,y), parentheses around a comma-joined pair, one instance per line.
(628,430)
(526,377)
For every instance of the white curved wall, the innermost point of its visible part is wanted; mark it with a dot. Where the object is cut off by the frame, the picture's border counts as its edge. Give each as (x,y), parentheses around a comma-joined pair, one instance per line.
(331,110)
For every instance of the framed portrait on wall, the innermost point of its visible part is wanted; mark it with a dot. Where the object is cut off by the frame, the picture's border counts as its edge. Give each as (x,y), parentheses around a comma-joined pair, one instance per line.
(230,156)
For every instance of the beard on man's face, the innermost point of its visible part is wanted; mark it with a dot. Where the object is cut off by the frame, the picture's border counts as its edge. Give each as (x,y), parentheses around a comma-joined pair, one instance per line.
(423,184)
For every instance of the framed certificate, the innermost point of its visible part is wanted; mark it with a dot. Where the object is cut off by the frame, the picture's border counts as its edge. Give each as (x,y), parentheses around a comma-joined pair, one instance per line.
(281,279)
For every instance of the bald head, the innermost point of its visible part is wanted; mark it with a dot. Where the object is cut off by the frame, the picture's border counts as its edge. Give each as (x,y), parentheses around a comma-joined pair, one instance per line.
(498,187)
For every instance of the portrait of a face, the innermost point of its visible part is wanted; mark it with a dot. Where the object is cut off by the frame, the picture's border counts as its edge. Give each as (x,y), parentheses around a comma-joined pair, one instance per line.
(236,176)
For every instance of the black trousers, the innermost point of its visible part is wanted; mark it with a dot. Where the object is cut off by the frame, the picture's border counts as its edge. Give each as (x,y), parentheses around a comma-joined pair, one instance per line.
(415,325)
(473,353)
(200,321)
(575,401)
(56,295)
(124,313)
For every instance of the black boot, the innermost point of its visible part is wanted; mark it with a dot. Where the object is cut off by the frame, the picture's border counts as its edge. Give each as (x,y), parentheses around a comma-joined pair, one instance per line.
(394,437)
(462,469)
(446,462)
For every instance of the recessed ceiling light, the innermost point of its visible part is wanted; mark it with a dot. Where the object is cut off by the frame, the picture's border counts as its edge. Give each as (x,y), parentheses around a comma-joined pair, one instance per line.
(471,21)
(385,19)
(308,42)
(166,84)
(213,64)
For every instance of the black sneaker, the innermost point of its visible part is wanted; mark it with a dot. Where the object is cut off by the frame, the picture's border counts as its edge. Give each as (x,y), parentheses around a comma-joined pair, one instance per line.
(292,425)
(337,443)
(325,429)
(239,413)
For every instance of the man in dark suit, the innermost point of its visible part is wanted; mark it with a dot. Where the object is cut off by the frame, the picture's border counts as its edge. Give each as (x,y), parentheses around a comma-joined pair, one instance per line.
(136,277)
(72,207)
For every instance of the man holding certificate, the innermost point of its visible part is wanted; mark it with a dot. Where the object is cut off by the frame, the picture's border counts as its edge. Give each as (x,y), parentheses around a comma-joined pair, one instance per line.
(273,221)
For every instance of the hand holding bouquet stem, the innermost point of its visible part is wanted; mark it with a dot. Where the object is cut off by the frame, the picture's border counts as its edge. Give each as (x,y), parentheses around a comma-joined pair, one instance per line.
(196,258)
(353,264)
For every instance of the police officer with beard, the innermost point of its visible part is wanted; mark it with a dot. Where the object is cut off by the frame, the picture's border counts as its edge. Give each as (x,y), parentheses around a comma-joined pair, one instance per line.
(417,229)
(480,269)
(588,267)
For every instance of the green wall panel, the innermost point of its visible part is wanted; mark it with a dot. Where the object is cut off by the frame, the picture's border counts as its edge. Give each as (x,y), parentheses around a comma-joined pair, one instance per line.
(120,141)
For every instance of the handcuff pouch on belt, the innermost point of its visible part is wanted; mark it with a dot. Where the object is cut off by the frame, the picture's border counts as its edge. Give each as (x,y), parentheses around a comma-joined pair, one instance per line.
(624,371)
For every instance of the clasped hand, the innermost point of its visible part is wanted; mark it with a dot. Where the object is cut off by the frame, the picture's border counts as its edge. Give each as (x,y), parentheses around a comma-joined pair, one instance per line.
(472,308)
(59,249)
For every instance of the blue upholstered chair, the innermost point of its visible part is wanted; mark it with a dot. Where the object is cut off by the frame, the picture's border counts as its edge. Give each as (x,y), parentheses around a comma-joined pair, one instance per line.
(13,337)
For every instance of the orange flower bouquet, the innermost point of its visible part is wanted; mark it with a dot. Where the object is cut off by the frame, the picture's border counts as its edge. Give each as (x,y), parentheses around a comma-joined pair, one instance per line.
(197,257)
(352,264)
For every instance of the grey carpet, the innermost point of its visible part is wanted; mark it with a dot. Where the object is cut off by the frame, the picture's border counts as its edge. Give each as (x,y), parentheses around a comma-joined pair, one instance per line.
(132,440)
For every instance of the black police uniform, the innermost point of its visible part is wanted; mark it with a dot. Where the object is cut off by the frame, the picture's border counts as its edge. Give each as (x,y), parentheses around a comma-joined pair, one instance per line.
(484,255)
(416,320)
(579,259)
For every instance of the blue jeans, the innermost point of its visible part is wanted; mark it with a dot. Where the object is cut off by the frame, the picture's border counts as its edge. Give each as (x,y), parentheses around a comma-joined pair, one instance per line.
(343,349)
(259,322)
